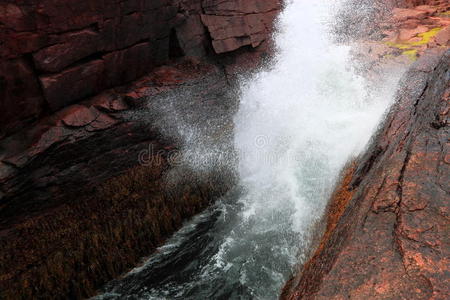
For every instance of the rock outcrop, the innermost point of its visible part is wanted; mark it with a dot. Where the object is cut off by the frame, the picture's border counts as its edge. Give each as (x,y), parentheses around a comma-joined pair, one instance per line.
(92,97)
(88,191)
(56,53)
(391,237)
(412,30)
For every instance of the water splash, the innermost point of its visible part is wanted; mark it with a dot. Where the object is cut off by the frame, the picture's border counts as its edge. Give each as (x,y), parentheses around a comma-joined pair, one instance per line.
(298,124)
(299,121)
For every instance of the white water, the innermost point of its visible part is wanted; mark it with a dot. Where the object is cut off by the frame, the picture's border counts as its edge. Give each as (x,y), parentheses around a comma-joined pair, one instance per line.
(302,120)
(298,123)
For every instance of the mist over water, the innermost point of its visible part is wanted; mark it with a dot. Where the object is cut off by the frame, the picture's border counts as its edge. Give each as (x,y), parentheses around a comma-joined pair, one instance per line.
(300,121)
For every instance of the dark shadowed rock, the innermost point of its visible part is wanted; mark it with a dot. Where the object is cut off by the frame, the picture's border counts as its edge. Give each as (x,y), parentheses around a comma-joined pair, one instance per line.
(77,49)
(73,84)
(79,115)
(84,192)
(20,98)
(75,46)
(79,204)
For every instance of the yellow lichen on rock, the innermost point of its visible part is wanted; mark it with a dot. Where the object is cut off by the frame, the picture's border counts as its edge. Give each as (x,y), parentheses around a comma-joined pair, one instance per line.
(426,36)
(411,48)
(412,54)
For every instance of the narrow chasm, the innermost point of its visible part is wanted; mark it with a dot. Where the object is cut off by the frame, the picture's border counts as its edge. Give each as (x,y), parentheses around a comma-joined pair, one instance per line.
(225,150)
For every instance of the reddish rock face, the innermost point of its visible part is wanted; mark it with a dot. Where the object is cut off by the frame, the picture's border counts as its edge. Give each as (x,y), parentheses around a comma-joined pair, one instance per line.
(413,3)
(233,24)
(20,95)
(79,116)
(65,129)
(392,240)
(74,46)
(73,84)
(82,196)
(54,53)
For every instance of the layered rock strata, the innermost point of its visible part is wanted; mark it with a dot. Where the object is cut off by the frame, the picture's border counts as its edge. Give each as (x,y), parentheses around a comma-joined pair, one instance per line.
(96,173)
(56,53)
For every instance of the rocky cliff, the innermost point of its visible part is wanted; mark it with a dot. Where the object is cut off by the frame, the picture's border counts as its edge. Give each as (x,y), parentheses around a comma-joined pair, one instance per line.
(55,53)
(388,235)
(94,96)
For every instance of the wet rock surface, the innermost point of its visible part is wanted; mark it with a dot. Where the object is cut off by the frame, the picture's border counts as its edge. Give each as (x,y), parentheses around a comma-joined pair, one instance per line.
(391,241)
(56,53)
(93,100)
(90,190)
(385,33)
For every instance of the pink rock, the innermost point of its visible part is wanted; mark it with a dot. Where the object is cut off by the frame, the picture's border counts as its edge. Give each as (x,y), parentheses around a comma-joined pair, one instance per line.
(402,14)
(410,23)
(443,36)
(109,101)
(406,34)
(102,122)
(428,8)
(79,115)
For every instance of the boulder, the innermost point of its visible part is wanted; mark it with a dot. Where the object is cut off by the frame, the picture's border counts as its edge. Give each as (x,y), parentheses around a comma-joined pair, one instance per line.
(229,33)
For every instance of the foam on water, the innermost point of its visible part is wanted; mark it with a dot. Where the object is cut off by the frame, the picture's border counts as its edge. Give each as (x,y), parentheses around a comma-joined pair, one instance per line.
(299,121)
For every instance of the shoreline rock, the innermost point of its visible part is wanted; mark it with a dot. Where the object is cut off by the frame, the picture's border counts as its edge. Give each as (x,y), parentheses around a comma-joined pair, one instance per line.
(92,176)
(390,242)
(89,191)
(55,54)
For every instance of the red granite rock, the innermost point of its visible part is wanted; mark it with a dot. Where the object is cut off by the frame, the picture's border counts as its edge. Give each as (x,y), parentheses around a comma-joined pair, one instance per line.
(126,65)
(62,41)
(74,46)
(402,14)
(109,101)
(50,174)
(20,99)
(79,115)
(230,32)
(239,7)
(392,240)
(13,16)
(443,37)
(73,84)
